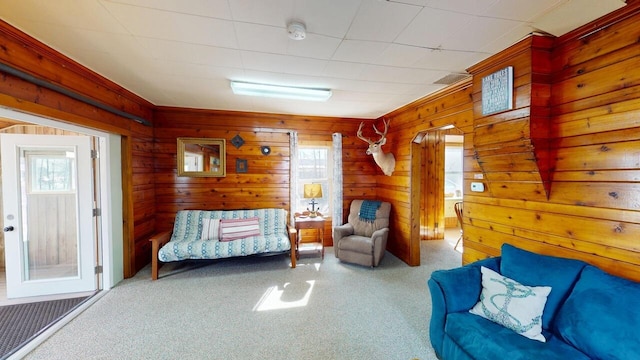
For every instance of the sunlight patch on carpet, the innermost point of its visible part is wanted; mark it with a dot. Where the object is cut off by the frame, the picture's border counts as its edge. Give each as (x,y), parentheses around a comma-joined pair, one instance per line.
(290,295)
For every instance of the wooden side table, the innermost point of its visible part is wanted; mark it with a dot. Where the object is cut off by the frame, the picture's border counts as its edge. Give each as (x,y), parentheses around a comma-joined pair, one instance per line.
(310,223)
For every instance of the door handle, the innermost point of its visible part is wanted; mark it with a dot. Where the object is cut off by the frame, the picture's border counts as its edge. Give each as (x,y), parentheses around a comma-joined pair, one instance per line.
(8,228)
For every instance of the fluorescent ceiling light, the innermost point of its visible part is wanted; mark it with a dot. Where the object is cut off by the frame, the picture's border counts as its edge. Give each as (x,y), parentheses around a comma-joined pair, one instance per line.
(285,92)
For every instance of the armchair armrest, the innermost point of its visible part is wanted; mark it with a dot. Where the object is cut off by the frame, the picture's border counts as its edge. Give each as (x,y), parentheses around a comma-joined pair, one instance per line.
(379,235)
(379,242)
(157,241)
(293,239)
(452,291)
(341,231)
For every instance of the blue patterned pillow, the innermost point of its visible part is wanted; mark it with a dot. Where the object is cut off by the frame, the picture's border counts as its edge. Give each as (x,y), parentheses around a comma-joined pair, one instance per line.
(511,304)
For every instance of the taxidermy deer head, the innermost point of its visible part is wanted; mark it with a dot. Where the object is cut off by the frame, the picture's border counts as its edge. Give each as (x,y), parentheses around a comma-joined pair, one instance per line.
(386,162)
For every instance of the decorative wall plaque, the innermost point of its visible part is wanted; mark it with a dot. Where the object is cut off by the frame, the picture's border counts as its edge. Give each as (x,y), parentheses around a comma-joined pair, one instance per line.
(497,91)
(237,141)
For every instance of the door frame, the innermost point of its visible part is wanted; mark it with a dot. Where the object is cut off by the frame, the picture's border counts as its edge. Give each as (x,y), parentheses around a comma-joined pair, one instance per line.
(110,244)
(418,177)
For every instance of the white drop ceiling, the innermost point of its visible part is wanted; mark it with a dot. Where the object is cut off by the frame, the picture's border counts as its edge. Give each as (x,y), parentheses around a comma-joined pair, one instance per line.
(375,55)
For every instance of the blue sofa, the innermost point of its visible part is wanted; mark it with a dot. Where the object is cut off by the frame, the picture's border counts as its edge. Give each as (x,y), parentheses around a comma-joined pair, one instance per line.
(588,314)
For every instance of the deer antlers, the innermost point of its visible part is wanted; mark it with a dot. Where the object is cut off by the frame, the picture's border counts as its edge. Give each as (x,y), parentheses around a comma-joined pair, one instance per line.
(382,134)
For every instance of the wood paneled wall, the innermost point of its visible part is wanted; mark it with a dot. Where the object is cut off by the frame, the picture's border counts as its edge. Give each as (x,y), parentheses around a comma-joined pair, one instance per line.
(266,182)
(26,54)
(512,147)
(593,208)
(406,188)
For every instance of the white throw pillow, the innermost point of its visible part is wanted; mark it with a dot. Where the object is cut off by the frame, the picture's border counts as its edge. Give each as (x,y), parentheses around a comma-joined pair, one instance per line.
(210,229)
(511,304)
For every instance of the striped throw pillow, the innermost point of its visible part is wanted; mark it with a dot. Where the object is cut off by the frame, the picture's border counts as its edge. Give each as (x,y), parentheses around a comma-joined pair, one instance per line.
(210,229)
(233,229)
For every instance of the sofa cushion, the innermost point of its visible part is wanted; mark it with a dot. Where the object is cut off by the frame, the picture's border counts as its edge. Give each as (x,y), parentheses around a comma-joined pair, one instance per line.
(210,229)
(600,317)
(233,229)
(511,304)
(483,339)
(205,249)
(533,269)
(356,243)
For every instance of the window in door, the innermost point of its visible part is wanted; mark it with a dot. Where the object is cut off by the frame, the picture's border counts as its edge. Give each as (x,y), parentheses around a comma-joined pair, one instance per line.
(51,173)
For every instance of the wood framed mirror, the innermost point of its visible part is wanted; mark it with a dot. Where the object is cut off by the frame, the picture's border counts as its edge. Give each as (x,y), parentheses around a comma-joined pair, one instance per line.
(201,157)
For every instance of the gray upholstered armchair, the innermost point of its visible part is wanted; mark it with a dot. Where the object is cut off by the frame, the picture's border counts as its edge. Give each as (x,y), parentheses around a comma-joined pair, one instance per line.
(363,239)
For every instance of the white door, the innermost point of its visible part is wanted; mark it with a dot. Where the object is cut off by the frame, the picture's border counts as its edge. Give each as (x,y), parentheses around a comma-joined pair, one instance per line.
(47,192)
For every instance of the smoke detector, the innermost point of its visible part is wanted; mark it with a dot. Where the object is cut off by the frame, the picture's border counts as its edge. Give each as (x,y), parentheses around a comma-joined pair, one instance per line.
(296,30)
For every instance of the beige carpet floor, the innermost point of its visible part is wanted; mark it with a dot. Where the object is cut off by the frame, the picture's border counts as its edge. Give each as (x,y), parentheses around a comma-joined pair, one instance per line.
(260,308)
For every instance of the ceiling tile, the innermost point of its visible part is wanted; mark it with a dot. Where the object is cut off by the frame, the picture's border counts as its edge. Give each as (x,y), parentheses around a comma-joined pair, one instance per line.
(401,75)
(427,29)
(191,53)
(361,96)
(159,24)
(287,79)
(414,2)
(131,71)
(381,20)
(265,12)
(359,51)
(478,31)
(401,55)
(471,7)
(343,69)
(88,15)
(263,38)
(522,10)
(452,61)
(199,70)
(507,39)
(313,46)
(209,8)
(573,14)
(370,86)
(282,63)
(326,17)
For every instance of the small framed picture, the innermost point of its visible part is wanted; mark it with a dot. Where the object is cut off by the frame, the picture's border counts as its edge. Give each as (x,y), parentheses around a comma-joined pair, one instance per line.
(241,166)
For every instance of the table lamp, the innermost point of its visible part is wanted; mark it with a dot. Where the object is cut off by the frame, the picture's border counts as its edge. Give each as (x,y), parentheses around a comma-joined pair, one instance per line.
(312,191)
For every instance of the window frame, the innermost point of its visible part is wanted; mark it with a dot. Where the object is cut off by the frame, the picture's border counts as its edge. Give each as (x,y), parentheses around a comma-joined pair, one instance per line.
(327,188)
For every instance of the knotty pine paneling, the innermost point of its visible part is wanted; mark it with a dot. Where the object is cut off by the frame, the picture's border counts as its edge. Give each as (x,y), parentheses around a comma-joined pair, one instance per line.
(266,183)
(27,54)
(405,189)
(517,140)
(592,211)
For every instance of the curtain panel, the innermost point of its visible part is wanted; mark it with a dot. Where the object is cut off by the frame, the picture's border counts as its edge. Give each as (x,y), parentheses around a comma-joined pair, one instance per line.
(336,216)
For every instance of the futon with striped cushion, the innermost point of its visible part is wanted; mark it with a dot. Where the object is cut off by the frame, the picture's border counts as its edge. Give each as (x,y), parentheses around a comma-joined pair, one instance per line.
(216,234)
